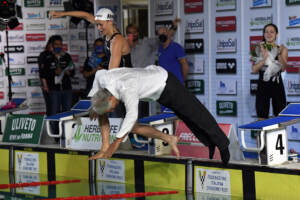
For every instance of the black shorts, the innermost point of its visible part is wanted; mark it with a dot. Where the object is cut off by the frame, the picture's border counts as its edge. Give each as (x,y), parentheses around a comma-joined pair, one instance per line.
(267,91)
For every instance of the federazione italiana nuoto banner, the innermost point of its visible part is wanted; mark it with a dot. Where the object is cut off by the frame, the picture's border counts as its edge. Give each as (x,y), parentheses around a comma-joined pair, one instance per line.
(22,128)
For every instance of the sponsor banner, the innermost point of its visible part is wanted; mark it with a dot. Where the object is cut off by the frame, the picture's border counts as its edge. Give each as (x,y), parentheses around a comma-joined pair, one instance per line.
(19,94)
(194,45)
(212,181)
(77,47)
(196,64)
(258,23)
(226,108)
(75,58)
(36,37)
(294,22)
(160,24)
(292,2)
(87,135)
(18,83)
(55,3)
(2,95)
(18,28)
(227,87)
(292,86)
(293,64)
(57,26)
(34,82)
(27,162)
(14,49)
(33,71)
(293,43)
(193,6)
(261,3)
(37,48)
(226,66)
(164,7)
(111,170)
(32,59)
(35,27)
(253,86)
(2,84)
(195,86)
(65,37)
(23,129)
(33,3)
(194,25)
(222,5)
(37,105)
(35,14)
(15,71)
(226,45)
(36,95)
(25,177)
(65,47)
(254,41)
(225,24)
(17,59)
(15,37)
(74,36)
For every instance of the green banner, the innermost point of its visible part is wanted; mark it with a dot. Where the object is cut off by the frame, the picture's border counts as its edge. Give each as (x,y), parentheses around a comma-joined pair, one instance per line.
(292,2)
(226,108)
(195,86)
(15,71)
(22,128)
(34,82)
(33,3)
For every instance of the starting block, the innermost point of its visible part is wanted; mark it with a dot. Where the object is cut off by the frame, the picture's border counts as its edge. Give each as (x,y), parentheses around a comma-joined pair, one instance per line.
(163,122)
(66,119)
(273,135)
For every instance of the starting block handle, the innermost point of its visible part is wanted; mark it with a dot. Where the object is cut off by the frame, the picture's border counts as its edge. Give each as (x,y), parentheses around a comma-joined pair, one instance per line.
(140,141)
(251,149)
(49,131)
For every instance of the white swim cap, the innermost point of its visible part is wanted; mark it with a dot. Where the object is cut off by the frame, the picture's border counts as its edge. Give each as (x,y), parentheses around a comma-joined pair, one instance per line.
(104,14)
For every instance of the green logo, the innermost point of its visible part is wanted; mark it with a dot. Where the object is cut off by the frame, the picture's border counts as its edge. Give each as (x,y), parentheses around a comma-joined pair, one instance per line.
(23,129)
(34,82)
(15,71)
(195,86)
(226,108)
(292,2)
(34,3)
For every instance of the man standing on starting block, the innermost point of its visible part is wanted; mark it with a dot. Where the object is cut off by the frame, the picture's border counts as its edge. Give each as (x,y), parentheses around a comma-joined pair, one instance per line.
(151,83)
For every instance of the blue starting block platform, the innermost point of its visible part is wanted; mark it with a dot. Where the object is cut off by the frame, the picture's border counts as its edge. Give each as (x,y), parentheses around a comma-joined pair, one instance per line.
(160,118)
(272,135)
(80,109)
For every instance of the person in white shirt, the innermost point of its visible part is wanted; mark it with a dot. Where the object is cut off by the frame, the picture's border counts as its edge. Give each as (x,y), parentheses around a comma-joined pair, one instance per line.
(155,84)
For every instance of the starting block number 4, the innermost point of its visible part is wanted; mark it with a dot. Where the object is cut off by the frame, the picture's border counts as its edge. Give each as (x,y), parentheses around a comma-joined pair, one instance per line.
(276,144)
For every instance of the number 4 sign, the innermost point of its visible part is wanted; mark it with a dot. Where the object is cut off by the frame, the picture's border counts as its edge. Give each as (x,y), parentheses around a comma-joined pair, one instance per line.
(276,143)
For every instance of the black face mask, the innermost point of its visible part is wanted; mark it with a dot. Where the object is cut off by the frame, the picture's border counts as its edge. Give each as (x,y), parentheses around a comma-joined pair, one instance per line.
(162,38)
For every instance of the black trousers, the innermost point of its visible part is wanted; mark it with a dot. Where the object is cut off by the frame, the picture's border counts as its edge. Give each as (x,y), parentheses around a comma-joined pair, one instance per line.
(192,112)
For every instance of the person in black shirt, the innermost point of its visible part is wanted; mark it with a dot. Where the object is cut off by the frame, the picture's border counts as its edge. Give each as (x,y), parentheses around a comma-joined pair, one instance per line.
(95,62)
(56,68)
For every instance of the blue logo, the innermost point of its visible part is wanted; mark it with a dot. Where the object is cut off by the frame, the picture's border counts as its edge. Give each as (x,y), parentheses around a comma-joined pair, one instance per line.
(222,84)
(294,129)
(260,2)
(34,15)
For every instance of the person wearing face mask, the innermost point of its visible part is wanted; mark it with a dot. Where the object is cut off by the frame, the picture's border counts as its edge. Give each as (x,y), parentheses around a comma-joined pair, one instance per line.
(56,68)
(270,60)
(97,61)
(171,55)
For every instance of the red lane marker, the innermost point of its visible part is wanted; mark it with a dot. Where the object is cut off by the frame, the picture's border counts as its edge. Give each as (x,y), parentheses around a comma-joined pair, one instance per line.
(117,196)
(32,184)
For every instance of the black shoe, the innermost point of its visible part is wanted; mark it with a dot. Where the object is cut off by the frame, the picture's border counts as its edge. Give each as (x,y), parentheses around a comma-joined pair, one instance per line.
(211,149)
(225,155)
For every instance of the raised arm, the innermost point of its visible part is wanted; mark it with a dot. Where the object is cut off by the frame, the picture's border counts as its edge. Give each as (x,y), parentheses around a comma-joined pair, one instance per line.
(80,14)
(184,68)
